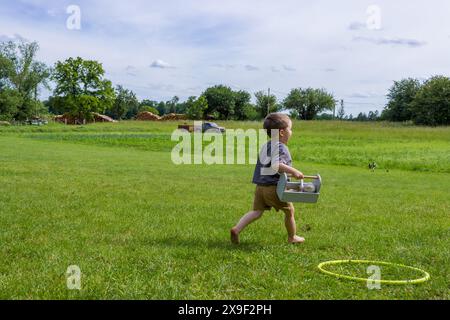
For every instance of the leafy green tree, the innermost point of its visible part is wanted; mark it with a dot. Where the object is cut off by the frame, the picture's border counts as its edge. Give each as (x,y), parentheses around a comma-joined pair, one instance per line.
(10,101)
(190,109)
(182,108)
(221,100)
(124,105)
(242,105)
(148,109)
(6,69)
(250,112)
(324,116)
(362,116)
(266,104)
(172,104)
(373,116)
(20,71)
(400,97)
(149,103)
(296,101)
(431,105)
(80,84)
(149,106)
(294,114)
(195,108)
(55,105)
(309,102)
(161,107)
(83,106)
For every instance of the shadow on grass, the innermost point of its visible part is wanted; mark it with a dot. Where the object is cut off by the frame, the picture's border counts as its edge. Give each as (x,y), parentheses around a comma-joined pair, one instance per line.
(199,243)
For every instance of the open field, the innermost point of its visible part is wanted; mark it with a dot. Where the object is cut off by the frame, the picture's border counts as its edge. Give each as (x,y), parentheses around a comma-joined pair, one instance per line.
(107,198)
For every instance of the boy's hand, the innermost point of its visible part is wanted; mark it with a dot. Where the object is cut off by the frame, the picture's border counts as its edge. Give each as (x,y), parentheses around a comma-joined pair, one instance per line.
(298,175)
(290,170)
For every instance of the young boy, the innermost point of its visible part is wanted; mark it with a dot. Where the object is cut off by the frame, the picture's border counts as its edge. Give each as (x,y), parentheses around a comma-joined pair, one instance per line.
(266,185)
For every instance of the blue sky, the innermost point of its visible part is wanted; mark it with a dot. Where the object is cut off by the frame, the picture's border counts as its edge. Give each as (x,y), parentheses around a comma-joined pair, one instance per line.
(164,48)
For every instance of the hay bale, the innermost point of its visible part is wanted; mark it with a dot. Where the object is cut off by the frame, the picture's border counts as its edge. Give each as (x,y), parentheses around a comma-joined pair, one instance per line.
(174,117)
(102,118)
(65,119)
(147,116)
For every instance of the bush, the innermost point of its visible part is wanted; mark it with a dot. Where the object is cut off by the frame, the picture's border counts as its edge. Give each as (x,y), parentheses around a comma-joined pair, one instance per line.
(195,108)
(431,105)
(401,95)
(251,113)
(10,101)
(149,109)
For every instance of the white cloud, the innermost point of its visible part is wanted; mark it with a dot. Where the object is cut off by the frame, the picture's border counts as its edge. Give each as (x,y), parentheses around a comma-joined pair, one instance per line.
(357,26)
(275,69)
(289,68)
(250,67)
(362,95)
(392,41)
(161,64)
(14,38)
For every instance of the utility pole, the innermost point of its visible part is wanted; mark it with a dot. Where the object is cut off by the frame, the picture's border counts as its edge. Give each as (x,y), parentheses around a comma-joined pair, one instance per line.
(35,98)
(268,103)
(334,110)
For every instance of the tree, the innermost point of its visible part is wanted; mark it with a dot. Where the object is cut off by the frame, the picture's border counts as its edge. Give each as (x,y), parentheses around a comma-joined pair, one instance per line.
(324,116)
(161,107)
(56,105)
(19,71)
(241,104)
(221,100)
(81,86)
(361,117)
(144,105)
(125,104)
(250,112)
(10,101)
(195,108)
(266,103)
(171,105)
(145,108)
(6,69)
(149,103)
(431,105)
(309,102)
(373,116)
(400,97)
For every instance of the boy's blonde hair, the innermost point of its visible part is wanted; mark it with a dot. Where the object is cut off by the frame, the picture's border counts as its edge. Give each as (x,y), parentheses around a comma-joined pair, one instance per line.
(276,121)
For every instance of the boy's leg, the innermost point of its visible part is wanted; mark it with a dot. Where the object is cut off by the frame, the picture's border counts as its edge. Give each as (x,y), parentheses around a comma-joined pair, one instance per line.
(291,227)
(250,217)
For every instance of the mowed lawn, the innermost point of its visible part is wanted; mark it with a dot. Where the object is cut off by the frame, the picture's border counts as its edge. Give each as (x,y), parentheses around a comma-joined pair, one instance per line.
(108,199)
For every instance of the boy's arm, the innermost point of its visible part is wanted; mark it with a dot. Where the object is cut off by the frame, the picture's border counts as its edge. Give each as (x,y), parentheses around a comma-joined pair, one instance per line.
(283,168)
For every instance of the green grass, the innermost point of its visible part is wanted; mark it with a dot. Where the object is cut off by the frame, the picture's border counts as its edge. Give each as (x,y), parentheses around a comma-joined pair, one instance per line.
(349,144)
(108,199)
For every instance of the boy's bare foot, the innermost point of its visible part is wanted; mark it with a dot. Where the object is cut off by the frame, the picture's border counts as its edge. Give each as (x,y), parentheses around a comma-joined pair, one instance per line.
(296,239)
(234,236)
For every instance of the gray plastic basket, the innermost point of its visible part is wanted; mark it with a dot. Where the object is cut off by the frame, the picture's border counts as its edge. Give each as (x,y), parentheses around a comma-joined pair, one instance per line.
(287,195)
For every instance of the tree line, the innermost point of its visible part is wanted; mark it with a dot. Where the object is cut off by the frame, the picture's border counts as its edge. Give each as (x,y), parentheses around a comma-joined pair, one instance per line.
(80,89)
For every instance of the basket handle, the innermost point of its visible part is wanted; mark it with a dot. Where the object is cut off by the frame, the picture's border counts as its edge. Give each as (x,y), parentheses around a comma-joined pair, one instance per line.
(305,177)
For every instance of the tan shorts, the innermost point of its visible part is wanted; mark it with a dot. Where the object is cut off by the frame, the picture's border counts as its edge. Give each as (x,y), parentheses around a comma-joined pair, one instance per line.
(266,198)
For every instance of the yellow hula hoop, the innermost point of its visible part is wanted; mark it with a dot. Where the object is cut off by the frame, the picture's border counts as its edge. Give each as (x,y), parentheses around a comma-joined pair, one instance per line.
(425,278)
